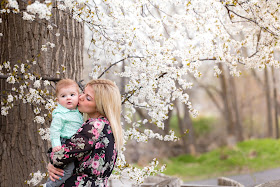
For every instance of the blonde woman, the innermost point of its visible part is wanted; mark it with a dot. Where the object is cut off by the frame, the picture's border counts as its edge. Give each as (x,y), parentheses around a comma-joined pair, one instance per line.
(95,146)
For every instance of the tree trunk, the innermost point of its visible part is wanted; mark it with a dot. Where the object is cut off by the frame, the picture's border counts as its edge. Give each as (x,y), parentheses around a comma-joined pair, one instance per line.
(191,136)
(238,121)
(275,102)
(22,150)
(167,122)
(182,129)
(268,102)
(227,108)
(185,123)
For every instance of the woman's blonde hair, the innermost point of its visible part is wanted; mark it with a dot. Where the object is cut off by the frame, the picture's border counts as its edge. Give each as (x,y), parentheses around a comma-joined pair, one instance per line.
(108,103)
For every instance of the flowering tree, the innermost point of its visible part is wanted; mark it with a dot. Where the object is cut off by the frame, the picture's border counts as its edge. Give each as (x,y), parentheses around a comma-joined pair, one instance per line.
(160,44)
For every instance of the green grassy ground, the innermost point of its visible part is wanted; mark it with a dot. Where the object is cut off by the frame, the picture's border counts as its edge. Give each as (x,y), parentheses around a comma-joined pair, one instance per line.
(247,157)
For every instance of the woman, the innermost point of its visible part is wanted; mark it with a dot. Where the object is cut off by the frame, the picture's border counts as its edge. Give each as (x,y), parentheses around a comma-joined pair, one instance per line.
(94,147)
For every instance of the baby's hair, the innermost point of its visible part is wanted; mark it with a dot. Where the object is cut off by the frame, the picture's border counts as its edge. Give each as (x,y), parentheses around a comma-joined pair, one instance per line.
(64,83)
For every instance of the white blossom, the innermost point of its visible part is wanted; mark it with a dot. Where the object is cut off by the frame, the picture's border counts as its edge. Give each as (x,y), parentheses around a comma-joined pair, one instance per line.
(11,80)
(49,27)
(42,10)
(145,121)
(10,98)
(45,133)
(52,45)
(46,83)
(37,84)
(217,71)
(4,110)
(194,112)
(7,65)
(39,119)
(37,110)
(31,76)
(37,177)
(27,16)
(44,48)
(13,4)
(61,7)
(50,105)
(22,68)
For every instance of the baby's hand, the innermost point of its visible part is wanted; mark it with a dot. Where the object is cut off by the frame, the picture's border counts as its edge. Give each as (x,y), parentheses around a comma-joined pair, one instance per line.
(57,148)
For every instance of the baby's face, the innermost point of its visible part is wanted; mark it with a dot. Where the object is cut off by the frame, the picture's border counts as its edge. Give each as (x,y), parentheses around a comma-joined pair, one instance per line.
(68,97)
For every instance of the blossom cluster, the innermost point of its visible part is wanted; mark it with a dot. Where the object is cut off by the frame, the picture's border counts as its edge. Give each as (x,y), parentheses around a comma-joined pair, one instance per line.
(27,88)
(37,177)
(45,133)
(124,170)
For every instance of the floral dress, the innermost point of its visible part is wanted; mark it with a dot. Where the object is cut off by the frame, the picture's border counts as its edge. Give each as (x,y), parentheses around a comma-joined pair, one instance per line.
(94,152)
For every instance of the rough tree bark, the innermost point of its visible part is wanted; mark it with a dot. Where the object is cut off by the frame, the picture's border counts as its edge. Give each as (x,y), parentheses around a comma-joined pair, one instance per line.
(22,150)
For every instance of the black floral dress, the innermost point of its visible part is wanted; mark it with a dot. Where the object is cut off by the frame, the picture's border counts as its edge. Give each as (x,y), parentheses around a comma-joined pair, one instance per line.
(94,152)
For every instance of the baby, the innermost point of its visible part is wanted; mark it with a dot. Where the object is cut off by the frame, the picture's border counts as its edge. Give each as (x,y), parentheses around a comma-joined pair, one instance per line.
(66,120)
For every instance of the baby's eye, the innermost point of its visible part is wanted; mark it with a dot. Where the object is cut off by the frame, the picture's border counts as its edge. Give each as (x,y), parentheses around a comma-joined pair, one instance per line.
(63,96)
(72,95)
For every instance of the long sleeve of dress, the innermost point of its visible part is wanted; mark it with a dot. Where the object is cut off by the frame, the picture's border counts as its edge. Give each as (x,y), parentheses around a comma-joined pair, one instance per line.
(79,144)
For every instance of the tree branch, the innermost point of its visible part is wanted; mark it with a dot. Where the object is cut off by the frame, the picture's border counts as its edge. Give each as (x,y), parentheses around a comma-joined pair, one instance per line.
(250,20)
(43,78)
(116,64)
(132,92)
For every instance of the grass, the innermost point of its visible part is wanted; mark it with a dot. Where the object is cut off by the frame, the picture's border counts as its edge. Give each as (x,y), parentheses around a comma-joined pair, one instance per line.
(246,157)
(201,125)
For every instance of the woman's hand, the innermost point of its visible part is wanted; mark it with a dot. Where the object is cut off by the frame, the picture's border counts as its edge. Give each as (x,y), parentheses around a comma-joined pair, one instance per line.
(54,173)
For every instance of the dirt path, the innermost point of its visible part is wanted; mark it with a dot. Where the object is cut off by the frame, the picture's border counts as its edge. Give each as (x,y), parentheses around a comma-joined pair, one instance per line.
(247,180)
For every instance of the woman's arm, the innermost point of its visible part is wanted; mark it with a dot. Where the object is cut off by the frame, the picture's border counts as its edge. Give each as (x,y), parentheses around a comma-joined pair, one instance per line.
(79,144)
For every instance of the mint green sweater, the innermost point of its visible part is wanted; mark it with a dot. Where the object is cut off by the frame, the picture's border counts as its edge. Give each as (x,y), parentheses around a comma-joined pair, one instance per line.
(65,124)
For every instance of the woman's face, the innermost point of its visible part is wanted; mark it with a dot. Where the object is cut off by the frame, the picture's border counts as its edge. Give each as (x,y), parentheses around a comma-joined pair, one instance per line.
(87,103)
